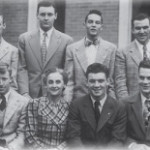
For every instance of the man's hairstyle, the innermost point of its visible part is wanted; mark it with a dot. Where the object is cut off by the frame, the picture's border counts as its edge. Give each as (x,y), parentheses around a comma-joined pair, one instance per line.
(4,67)
(55,70)
(94,11)
(97,68)
(46,3)
(139,17)
(144,64)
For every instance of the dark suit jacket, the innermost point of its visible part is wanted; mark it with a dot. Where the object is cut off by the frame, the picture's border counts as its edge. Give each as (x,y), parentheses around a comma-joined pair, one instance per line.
(31,70)
(135,123)
(82,129)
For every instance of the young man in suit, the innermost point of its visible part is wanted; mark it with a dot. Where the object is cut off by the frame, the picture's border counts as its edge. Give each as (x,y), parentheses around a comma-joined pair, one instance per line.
(138,111)
(92,48)
(96,120)
(40,50)
(12,113)
(8,54)
(128,58)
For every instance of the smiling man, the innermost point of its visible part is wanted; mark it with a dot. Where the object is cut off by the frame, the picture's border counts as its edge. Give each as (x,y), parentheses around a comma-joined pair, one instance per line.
(128,59)
(138,111)
(92,48)
(40,50)
(96,120)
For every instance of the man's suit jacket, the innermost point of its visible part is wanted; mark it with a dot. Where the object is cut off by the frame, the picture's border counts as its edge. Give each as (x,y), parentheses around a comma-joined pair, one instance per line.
(82,129)
(76,65)
(136,131)
(126,70)
(30,59)
(14,120)
(9,55)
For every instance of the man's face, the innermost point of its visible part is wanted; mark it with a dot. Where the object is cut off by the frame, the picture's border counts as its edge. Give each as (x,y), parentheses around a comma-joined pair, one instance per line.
(4,82)
(46,17)
(93,25)
(2,25)
(55,84)
(97,83)
(144,81)
(141,30)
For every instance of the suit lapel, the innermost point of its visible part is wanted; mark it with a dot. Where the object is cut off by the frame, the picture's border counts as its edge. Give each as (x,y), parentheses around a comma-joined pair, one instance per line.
(102,52)
(12,106)
(4,49)
(89,112)
(34,42)
(135,53)
(106,113)
(137,109)
(81,56)
(53,45)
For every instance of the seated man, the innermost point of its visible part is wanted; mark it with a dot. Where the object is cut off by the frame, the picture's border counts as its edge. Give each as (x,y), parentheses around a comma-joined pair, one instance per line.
(12,113)
(138,111)
(96,119)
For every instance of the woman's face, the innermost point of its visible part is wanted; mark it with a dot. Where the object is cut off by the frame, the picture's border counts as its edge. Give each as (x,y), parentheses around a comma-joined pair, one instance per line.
(55,84)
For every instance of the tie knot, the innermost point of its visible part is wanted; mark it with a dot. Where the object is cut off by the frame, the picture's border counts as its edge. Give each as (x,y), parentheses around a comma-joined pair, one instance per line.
(45,34)
(97,103)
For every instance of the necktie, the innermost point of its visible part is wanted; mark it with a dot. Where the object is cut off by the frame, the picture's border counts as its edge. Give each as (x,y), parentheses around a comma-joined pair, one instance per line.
(97,111)
(88,42)
(3,103)
(145,57)
(44,48)
(147,112)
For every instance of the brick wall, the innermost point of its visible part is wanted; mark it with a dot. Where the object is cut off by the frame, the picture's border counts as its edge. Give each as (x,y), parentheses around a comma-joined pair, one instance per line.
(76,12)
(16,13)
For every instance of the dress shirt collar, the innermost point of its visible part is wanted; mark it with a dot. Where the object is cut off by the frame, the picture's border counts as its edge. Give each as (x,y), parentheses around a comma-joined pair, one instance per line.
(143,99)
(49,33)
(6,96)
(102,101)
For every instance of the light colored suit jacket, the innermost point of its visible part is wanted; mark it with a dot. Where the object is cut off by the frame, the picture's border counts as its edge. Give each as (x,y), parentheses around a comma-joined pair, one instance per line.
(126,70)
(31,70)
(9,55)
(136,130)
(76,65)
(83,130)
(14,120)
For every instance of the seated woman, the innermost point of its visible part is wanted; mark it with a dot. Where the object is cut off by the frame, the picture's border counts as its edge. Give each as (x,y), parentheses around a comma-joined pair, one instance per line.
(47,116)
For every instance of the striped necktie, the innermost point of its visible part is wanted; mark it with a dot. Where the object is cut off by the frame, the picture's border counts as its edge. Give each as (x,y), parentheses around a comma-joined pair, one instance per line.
(44,48)
(145,57)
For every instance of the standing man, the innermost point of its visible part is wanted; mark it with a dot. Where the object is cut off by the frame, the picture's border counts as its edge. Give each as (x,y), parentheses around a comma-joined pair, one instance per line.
(128,59)
(8,54)
(96,119)
(40,50)
(12,112)
(138,111)
(92,48)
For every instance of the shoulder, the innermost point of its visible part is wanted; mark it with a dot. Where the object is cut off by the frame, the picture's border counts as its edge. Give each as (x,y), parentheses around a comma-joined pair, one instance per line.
(10,46)
(76,44)
(28,34)
(19,98)
(64,35)
(108,44)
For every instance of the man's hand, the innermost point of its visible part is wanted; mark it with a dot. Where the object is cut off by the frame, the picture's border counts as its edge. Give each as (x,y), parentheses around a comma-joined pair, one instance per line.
(135,146)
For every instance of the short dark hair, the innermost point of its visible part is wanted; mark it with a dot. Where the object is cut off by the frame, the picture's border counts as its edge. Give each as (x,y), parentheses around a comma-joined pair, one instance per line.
(140,16)
(4,67)
(94,11)
(46,3)
(97,68)
(144,64)
(54,70)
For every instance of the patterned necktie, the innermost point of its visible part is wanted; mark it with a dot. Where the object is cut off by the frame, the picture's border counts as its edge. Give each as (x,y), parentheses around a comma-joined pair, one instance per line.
(147,112)
(145,57)
(44,48)
(97,111)
(88,42)
(3,102)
